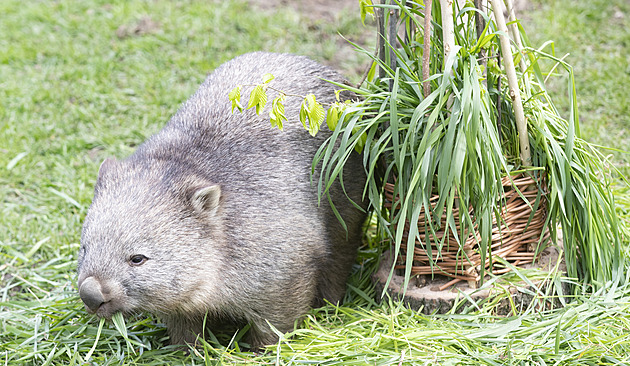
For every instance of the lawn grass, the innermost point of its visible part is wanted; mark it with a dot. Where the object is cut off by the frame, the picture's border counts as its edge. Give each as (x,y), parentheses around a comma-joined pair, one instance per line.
(595,35)
(72,93)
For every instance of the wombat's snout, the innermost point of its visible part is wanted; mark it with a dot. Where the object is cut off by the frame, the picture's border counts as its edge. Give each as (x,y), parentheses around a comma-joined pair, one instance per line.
(91,293)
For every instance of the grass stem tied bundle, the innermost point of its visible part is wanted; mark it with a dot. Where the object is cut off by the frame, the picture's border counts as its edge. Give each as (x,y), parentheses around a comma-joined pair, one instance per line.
(457,141)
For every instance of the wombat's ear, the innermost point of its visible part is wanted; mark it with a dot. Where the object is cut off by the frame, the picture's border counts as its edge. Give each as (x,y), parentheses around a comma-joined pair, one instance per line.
(106,166)
(206,200)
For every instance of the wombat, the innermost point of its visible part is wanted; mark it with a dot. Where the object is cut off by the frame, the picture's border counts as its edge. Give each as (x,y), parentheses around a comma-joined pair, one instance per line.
(215,219)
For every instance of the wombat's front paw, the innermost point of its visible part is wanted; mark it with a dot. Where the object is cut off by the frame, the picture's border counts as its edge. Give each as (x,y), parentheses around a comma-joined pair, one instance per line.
(261,335)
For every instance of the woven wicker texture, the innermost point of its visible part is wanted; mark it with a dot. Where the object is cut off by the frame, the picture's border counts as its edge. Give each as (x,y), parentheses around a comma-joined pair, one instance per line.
(515,236)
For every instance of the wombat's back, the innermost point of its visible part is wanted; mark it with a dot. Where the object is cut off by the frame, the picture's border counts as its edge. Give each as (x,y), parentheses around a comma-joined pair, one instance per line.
(295,75)
(263,171)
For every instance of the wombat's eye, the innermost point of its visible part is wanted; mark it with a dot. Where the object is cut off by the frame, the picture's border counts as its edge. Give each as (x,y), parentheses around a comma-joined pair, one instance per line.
(137,260)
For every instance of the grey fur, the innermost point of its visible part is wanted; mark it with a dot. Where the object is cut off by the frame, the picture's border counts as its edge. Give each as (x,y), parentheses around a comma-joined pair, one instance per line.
(220,214)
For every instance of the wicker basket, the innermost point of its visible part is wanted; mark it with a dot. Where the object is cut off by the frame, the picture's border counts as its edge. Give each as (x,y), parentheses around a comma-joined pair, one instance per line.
(513,239)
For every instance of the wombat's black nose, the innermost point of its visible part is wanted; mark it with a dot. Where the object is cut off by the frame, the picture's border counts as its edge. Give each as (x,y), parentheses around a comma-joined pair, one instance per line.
(91,293)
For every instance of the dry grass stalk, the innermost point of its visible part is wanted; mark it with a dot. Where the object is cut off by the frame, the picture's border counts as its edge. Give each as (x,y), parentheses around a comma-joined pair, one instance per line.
(426,53)
(515,93)
(448,28)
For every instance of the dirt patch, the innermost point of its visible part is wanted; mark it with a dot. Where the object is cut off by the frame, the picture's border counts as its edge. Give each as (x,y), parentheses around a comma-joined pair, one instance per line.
(144,25)
(314,13)
(314,9)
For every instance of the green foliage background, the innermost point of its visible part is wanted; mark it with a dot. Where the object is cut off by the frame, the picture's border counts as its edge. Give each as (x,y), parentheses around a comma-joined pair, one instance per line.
(72,92)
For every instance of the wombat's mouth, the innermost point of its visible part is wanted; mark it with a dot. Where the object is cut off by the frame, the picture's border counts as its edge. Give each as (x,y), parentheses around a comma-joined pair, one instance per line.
(105,310)
(99,298)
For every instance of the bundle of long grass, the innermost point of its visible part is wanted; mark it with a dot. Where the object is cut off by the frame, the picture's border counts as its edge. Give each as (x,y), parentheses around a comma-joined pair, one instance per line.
(444,132)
